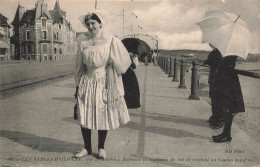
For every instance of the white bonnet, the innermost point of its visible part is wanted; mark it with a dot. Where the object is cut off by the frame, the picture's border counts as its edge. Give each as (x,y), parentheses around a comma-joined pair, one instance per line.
(98,13)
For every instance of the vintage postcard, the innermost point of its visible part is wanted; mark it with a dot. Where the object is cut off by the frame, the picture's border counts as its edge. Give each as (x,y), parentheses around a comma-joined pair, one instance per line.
(149,83)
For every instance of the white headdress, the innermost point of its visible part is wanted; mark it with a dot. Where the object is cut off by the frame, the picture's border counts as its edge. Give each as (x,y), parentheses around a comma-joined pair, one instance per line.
(98,13)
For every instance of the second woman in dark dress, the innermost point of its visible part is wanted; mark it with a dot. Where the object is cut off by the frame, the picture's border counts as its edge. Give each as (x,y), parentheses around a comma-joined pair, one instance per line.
(131,87)
(229,90)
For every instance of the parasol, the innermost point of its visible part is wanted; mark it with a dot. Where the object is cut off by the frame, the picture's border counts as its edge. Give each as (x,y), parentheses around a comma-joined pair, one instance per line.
(227,32)
(136,46)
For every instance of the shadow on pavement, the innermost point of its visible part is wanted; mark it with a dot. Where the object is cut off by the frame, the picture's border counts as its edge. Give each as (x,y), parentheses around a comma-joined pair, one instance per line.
(42,144)
(204,93)
(66,86)
(171,118)
(70,99)
(171,132)
(70,119)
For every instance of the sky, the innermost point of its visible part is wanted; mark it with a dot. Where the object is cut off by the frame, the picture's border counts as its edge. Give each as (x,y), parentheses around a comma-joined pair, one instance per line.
(173,21)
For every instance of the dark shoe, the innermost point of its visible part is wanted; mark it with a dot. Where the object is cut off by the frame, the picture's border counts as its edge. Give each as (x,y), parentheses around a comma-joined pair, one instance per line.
(217,125)
(222,139)
(212,119)
(218,136)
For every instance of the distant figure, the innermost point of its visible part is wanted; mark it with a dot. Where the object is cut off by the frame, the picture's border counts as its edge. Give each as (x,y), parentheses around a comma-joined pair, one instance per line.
(218,109)
(229,89)
(131,86)
(154,58)
(136,60)
(145,59)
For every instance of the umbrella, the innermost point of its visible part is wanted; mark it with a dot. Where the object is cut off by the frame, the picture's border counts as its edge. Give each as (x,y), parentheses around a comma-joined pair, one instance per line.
(227,32)
(136,46)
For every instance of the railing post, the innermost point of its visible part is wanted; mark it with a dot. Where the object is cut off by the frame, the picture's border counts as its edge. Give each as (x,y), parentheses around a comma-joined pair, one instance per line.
(168,66)
(182,77)
(159,61)
(176,69)
(171,67)
(194,82)
(165,63)
(162,62)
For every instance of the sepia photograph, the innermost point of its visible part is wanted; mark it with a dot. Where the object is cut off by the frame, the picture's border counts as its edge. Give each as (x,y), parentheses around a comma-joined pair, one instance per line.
(129,83)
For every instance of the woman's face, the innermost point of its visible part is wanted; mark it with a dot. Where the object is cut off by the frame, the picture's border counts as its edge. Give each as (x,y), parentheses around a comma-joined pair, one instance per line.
(93,26)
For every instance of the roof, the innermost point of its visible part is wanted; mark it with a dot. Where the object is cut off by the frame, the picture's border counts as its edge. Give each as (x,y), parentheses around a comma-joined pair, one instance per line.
(57,6)
(41,10)
(29,16)
(55,15)
(3,20)
(19,13)
(2,16)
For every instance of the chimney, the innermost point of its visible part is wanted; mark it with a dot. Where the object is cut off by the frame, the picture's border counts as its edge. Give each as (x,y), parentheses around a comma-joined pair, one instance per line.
(21,11)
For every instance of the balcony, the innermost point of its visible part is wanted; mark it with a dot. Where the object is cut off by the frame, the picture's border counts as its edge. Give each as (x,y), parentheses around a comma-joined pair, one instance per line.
(44,41)
(57,41)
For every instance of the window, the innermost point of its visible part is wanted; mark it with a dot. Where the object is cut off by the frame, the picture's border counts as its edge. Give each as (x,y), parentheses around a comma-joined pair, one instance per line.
(2,51)
(54,36)
(55,50)
(44,35)
(24,49)
(44,22)
(27,34)
(60,51)
(44,48)
(59,26)
(28,49)
(57,36)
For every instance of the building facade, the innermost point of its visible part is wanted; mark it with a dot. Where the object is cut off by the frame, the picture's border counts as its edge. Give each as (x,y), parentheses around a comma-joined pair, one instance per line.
(4,38)
(43,35)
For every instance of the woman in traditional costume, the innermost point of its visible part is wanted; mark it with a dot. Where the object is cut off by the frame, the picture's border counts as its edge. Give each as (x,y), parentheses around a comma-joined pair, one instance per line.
(100,61)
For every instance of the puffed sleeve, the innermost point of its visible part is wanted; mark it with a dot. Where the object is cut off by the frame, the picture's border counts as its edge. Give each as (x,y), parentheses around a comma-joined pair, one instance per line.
(79,66)
(119,56)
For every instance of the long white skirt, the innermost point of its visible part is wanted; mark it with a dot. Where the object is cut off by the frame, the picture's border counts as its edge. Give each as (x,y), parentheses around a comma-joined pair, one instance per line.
(93,110)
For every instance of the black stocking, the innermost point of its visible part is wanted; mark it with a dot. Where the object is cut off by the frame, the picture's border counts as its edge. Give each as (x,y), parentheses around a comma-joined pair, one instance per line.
(102,134)
(228,124)
(86,133)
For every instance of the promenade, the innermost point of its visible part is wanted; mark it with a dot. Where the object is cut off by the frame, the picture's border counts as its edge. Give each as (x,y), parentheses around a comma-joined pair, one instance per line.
(37,129)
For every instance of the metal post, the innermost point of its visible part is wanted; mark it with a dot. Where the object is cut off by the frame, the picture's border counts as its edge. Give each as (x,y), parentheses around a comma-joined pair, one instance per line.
(194,82)
(168,65)
(176,69)
(182,77)
(171,67)
(160,61)
(164,63)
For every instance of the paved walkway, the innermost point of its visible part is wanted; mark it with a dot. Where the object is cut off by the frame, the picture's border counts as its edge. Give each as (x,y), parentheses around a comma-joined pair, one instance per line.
(37,129)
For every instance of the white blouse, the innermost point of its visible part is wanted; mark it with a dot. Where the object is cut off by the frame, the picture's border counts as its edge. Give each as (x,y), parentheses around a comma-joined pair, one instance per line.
(107,49)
